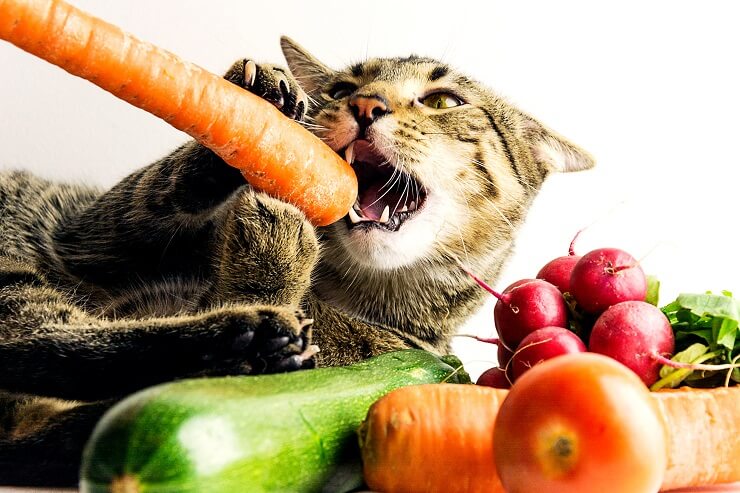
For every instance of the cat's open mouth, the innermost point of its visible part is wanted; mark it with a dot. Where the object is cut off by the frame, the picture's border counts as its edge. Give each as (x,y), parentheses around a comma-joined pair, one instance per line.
(388,196)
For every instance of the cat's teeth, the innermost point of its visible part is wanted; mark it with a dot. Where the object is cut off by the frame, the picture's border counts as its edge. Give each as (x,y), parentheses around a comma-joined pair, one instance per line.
(412,206)
(349,153)
(353,216)
(405,208)
(386,215)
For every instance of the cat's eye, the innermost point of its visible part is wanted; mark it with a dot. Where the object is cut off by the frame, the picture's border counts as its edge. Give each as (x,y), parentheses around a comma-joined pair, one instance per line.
(341,90)
(441,100)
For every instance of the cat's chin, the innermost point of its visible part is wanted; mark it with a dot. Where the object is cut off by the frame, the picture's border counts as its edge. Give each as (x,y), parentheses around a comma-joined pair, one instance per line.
(380,247)
(380,255)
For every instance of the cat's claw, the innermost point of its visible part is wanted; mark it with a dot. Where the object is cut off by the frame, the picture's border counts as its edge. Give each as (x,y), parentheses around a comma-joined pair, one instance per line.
(273,84)
(280,343)
(250,73)
(259,340)
(298,361)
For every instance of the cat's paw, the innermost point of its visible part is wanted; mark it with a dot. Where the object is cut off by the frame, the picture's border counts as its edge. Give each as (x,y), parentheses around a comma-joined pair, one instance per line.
(248,340)
(268,254)
(271,83)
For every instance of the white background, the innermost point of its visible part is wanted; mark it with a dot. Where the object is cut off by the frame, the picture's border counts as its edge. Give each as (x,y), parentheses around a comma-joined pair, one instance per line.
(649,88)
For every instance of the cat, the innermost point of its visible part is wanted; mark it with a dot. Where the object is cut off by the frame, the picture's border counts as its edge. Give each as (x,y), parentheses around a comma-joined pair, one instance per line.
(183,270)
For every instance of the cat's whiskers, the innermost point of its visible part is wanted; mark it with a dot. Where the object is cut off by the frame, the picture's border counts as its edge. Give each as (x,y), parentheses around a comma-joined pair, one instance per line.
(313,102)
(404,195)
(396,175)
(406,188)
(313,126)
(465,191)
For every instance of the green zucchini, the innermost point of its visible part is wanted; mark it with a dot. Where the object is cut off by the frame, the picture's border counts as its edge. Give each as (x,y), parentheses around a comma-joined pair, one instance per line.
(290,432)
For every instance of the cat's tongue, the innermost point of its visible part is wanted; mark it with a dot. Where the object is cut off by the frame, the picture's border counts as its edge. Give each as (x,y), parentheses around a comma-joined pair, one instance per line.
(375,198)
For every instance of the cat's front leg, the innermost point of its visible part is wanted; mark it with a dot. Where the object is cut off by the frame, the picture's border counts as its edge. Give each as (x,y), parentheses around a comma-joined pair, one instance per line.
(50,347)
(265,252)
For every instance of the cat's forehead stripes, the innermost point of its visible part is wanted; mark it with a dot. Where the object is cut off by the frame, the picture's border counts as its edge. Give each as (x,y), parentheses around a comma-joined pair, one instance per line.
(394,69)
(357,69)
(438,72)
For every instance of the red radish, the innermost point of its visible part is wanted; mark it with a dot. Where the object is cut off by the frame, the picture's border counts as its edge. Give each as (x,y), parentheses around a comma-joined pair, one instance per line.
(494,377)
(557,271)
(605,277)
(525,306)
(635,333)
(543,344)
(504,355)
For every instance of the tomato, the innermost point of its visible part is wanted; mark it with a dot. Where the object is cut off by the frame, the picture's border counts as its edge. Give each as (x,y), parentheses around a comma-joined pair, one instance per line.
(580,423)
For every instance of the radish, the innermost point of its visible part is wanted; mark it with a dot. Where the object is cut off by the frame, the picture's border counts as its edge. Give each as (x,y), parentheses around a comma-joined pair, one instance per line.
(605,277)
(523,307)
(490,377)
(504,355)
(558,270)
(526,306)
(494,377)
(637,334)
(541,345)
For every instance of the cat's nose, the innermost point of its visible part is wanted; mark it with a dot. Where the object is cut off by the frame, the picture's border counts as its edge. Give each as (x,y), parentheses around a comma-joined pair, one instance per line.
(367,109)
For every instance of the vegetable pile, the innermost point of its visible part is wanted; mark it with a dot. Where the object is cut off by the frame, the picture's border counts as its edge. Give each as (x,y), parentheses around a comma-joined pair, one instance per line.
(576,423)
(580,347)
(603,302)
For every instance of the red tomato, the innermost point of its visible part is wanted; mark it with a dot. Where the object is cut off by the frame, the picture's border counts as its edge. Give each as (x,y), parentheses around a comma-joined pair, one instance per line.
(580,423)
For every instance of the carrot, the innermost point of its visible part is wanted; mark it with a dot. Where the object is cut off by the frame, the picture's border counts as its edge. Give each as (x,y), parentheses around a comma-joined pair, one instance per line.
(274,153)
(432,438)
(704,435)
(439,438)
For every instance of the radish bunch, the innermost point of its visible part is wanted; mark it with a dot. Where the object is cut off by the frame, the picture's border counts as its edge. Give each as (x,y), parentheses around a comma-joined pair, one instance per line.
(595,302)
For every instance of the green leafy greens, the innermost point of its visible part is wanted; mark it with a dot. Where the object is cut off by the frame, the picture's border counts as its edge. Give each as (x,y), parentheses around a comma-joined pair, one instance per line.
(706,331)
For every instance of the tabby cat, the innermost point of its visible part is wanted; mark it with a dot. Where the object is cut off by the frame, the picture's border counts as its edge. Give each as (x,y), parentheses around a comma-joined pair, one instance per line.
(183,270)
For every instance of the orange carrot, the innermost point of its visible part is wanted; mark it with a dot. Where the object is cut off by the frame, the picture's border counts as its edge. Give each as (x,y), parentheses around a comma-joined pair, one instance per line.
(274,153)
(704,435)
(432,438)
(439,438)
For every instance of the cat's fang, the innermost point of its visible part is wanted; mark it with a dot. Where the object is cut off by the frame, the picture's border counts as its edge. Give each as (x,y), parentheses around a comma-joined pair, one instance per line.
(386,215)
(412,206)
(353,216)
(349,153)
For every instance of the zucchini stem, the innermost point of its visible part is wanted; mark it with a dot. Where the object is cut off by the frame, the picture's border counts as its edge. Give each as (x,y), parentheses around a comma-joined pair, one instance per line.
(125,484)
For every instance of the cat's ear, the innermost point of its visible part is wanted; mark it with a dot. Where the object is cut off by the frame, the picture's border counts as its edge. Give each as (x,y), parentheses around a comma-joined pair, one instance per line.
(311,74)
(554,151)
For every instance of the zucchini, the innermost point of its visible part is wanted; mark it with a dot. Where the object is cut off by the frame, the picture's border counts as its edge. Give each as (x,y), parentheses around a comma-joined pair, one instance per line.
(290,432)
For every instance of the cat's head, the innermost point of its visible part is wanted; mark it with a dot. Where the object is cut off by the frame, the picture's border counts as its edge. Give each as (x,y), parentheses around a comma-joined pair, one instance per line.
(444,165)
